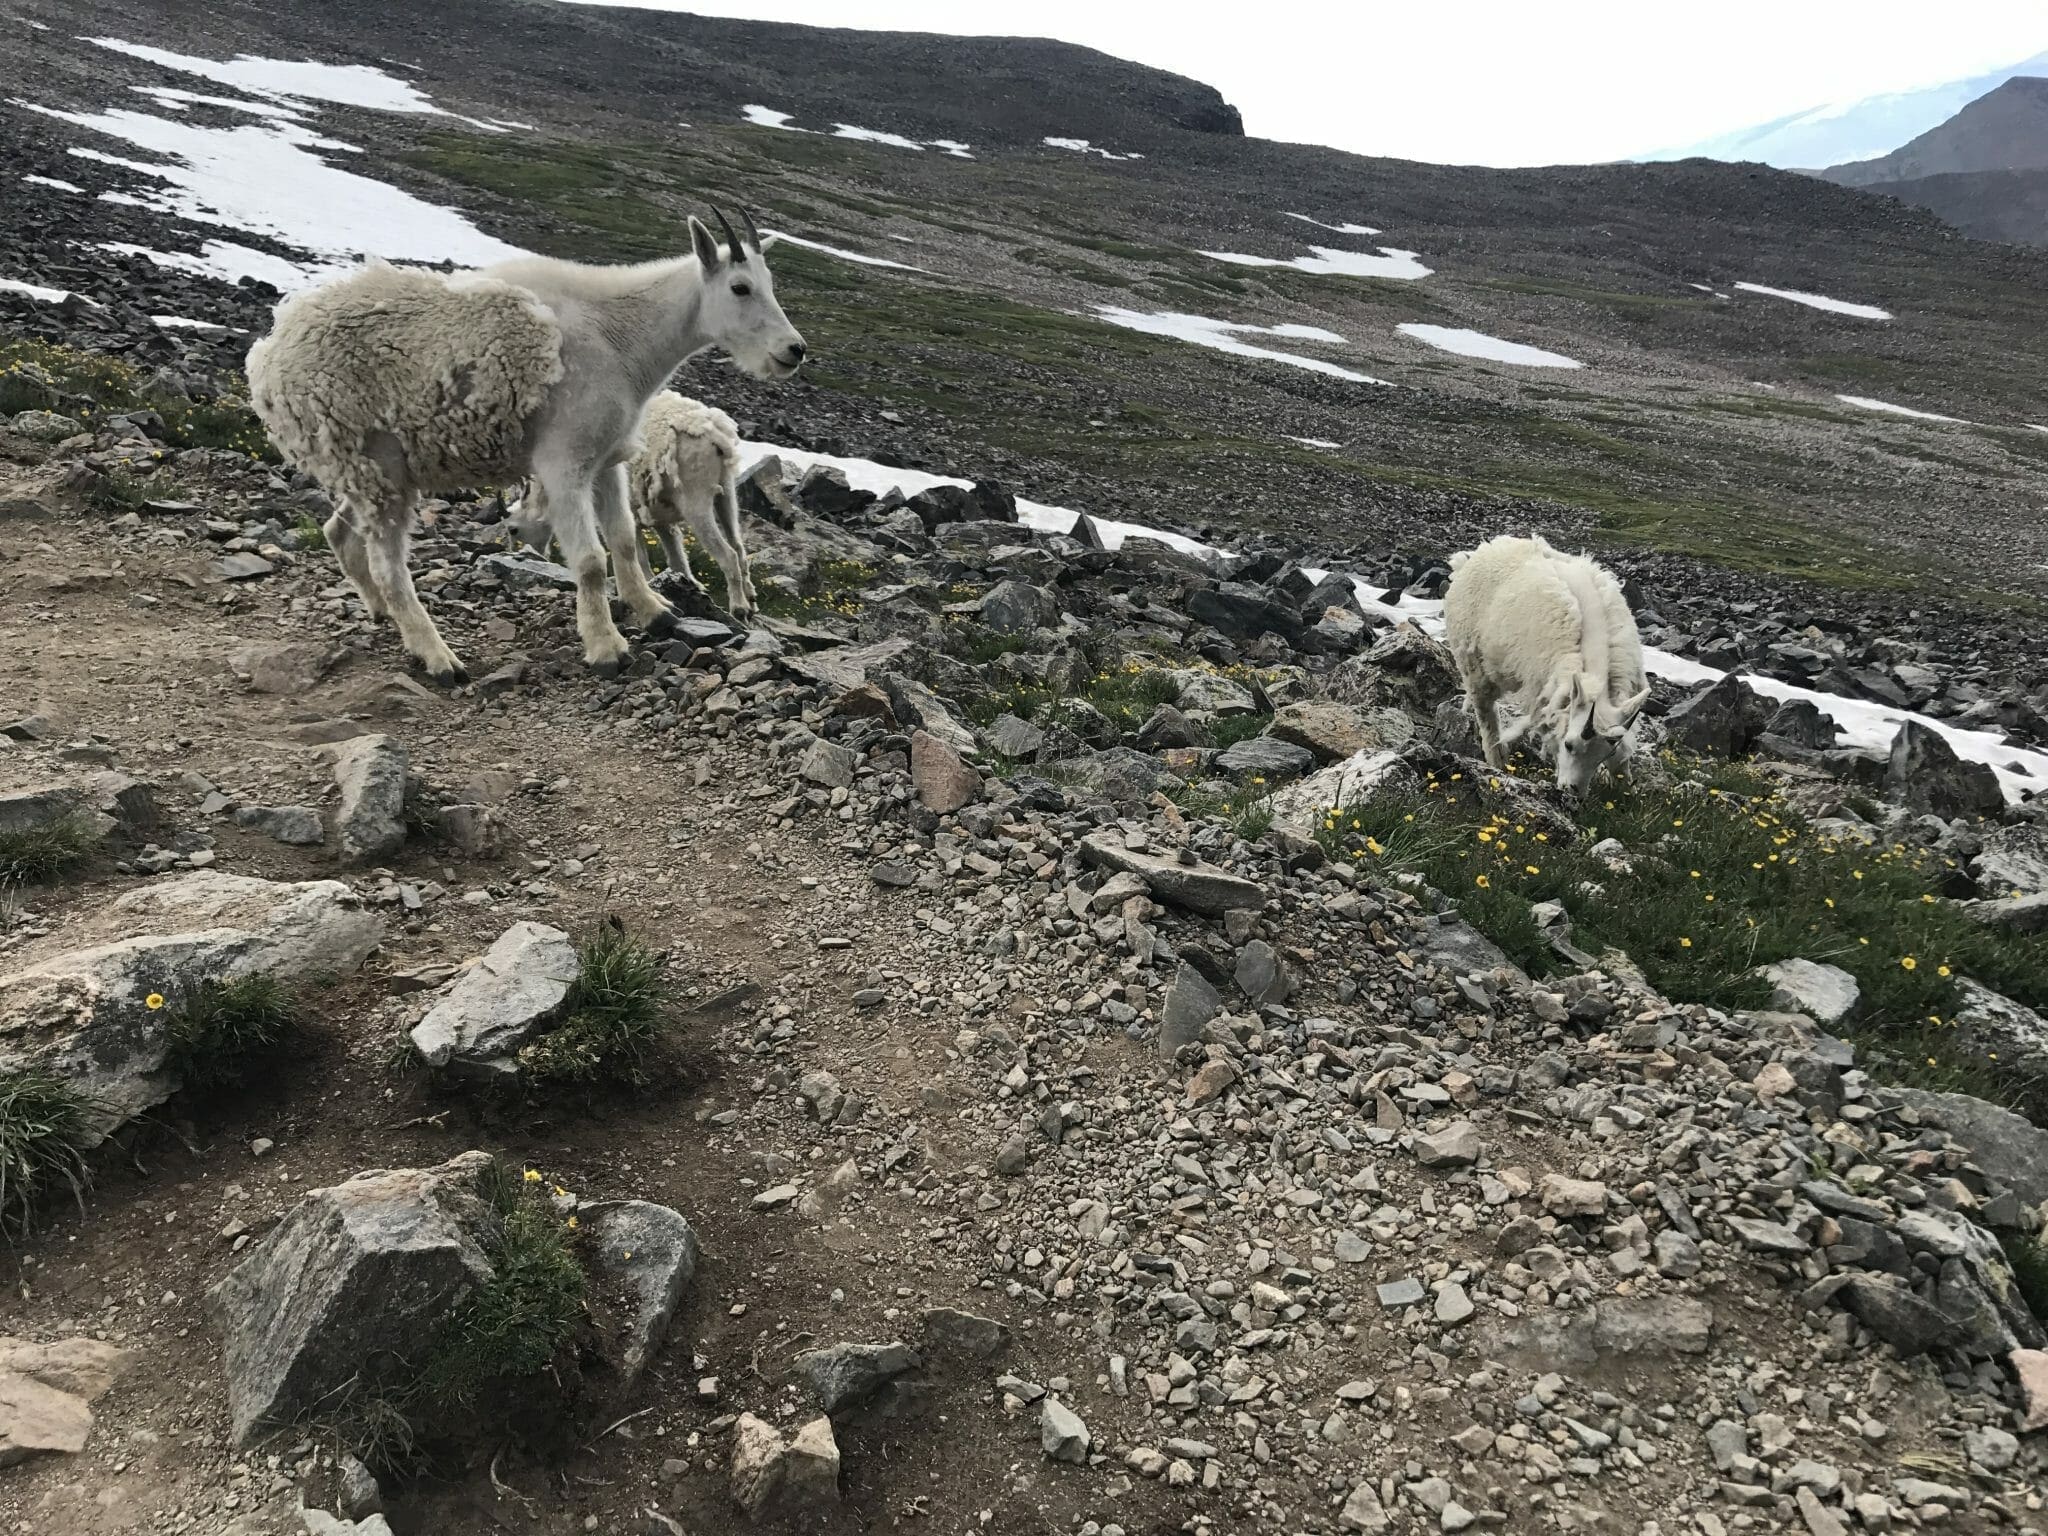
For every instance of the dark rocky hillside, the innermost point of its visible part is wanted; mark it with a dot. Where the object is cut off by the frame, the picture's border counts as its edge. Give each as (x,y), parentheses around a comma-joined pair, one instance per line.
(1985,170)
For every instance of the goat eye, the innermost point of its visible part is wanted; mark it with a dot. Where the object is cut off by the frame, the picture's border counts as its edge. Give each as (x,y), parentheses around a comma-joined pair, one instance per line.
(741,290)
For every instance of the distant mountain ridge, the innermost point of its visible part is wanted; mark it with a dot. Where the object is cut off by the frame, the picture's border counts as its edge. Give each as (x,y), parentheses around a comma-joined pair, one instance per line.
(1836,133)
(2004,130)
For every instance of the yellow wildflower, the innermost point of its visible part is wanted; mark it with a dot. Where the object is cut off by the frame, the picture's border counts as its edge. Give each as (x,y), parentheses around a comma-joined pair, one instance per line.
(154,1000)
(1907,962)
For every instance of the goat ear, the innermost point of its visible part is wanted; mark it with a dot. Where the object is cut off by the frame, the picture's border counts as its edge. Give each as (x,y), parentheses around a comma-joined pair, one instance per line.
(703,245)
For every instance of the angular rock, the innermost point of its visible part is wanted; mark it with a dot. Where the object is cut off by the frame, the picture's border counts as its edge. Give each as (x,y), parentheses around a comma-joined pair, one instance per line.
(85,1368)
(1771,1237)
(829,764)
(1723,718)
(85,1016)
(1924,773)
(2010,1148)
(1196,886)
(1211,693)
(1061,1432)
(371,771)
(1457,1145)
(498,1004)
(1265,757)
(296,825)
(1363,1511)
(1017,608)
(650,1252)
(1301,807)
(1994,1025)
(943,781)
(352,1286)
(39,1420)
(950,1332)
(1910,1323)
(525,573)
(1262,975)
(1014,738)
(1827,994)
(1573,1197)
(1335,732)
(290,668)
(1191,1002)
(847,1376)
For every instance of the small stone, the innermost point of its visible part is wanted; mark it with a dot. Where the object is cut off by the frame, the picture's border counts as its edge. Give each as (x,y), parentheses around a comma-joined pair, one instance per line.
(1396,1294)
(1573,1197)
(1061,1432)
(1457,1145)
(1453,1306)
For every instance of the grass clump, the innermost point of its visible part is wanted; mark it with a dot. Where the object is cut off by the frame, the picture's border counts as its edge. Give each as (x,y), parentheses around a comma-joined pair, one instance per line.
(1722,877)
(617,1019)
(217,1031)
(46,1126)
(512,1326)
(2027,1254)
(32,855)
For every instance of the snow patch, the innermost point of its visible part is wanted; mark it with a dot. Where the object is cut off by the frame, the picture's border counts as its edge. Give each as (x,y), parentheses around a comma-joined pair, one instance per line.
(51,181)
(875,136)
(785,238)
(180,323)
(1314,442)
(1331,262)
(1818,301)
(263,178)
(1864,402)
(228,262)
(768,117)
(1478,344)
(1083,147)
(36,290)
(1336,229)
(175,100)
(1221,336)
(348,85)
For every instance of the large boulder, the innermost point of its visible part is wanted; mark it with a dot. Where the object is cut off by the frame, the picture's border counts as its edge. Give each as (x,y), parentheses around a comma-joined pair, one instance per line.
(1723,718)
(1300,807)
(515,990)
(1334,731)
(1017,608)
(1993,1024)
(1405,669)
(1925,774)
(770,1476)
(942,778)
(2014,862)
(1265,757)
(86,1015)
(350,1291)
(650,1253)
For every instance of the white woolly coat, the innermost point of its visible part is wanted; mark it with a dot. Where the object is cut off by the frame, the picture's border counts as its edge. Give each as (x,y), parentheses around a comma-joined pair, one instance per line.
(688,453)
(391,380)
(1522,619)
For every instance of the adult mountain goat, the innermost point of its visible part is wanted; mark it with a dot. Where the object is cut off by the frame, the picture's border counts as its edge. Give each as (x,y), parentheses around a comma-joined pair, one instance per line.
(1552,634)
(389,383)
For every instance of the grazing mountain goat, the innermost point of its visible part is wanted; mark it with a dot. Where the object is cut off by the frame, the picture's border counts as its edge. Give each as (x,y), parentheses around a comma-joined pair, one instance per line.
(682,478)
(389,383)
(1552,633)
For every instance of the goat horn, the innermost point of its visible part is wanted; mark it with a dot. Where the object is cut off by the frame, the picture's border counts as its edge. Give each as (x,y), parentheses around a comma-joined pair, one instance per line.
(732,240)
(747,222)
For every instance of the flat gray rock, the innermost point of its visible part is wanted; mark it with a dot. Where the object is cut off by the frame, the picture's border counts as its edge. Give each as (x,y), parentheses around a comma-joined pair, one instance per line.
(517,987)
(846,1376)
(651,1250)
(371,771)
(1199,887)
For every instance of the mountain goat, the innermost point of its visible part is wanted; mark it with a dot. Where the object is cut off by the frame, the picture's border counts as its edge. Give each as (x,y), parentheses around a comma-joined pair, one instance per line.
(1552,634)
(388,383)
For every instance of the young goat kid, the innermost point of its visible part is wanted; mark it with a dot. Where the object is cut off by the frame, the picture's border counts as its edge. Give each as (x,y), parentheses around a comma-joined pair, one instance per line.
(680,480)
(389,383)
(1552,634)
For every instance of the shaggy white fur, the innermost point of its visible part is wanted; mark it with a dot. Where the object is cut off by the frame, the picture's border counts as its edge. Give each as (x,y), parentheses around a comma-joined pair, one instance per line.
(386,384)
(682,478)
(1552,634)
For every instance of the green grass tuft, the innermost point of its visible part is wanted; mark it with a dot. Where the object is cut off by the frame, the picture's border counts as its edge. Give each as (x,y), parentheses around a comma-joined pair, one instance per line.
(35,854)
(617,1019)
(513,1325)
(2028,1256)
(45,1127)
(217,1031)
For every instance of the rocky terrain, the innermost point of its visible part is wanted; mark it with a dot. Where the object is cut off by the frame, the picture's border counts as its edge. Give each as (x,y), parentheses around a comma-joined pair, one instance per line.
(1051,1028)
(1983,170)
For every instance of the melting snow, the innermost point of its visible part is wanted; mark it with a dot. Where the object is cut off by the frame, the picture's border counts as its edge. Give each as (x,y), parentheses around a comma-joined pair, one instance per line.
(263,178)
(230,263)
(1221,336)
(1388,263)
(51,181)
(1337,229)
(768,117)
(1083,147)
(177,100)
(1314,442)
(1816,301)
(35,290)
(349,85)
(180,323)
(1863,402)
(1492,348)
(1866,725)
(786,238)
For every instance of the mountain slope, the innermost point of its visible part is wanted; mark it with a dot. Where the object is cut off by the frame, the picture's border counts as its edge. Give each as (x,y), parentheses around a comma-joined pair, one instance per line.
(2004,130)
(1855,130)
(1991,205)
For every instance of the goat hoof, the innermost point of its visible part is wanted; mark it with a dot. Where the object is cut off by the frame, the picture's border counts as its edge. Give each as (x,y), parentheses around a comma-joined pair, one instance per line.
(454,675)
(611,666)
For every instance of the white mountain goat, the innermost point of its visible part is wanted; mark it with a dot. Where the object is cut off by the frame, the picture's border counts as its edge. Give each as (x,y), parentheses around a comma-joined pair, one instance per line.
(388,383)
(1552,634)
(681,479)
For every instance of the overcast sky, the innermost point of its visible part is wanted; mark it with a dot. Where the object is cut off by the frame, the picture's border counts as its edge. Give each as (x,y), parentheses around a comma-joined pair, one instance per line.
(1495,82)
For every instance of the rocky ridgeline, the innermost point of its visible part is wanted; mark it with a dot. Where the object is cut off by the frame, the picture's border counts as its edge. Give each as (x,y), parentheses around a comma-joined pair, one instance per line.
(1340,1220)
